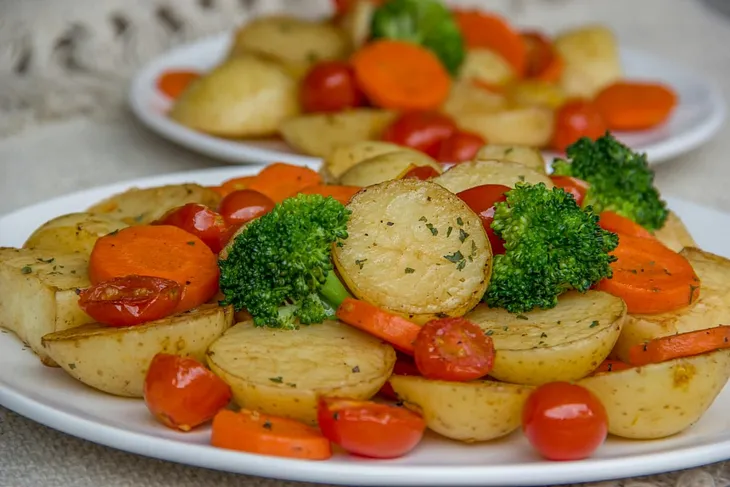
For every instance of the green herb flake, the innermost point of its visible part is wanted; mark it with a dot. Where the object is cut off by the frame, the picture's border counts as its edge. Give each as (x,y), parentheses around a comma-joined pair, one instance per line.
(48,261)
(26,270)
(594,324)
(454,258)
(521,178)
(489,333)
(410,270)
(463,235)
(360,263)
(423,219)
(340,244)
(277,380)
(267,424)
(448,232)
(509,151)
(522,317)
(505,328)
(72,366)
(191,243)
(459,221)
(434,230)
(390,224)
(460,266)
(356,369)
(473,249)
(543,335)
(291,384)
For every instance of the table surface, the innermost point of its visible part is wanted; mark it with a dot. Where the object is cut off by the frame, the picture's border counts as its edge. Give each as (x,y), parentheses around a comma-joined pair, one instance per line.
(58,157)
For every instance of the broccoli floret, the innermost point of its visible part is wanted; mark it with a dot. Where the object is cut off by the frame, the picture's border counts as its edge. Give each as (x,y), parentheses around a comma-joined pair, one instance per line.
(620,180)
(280,268)
(551,246)
(425,22)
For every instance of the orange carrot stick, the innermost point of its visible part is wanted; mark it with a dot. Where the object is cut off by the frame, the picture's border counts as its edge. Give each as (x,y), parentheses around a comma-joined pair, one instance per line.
(634,105)
(280,181)
(681,345)
(491,31)
(343,194)
(173,83)
(394,329)
(613,222)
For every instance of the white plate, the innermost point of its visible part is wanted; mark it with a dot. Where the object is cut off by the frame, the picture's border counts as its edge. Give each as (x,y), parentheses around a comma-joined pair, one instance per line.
(698,116)
(49,396)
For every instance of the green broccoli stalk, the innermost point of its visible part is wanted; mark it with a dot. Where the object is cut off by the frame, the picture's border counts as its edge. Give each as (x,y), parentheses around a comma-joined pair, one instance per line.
(551,246)
(425,22)
(620,180)
(280,268)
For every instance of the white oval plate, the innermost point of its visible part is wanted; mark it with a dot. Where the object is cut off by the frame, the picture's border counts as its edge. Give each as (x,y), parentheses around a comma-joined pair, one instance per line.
(49,396)
(697,118)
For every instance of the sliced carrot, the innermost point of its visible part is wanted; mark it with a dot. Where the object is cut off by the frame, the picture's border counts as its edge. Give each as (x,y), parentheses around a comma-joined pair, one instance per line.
(543,62)
(635,105)
(158,251)
(651,278)
(173,83)
(236,184)
(401,75)
(611,366)
(394,329)
(343,194)
(253,432)
(681,345)
(481,29)
(280,181)
(613,222)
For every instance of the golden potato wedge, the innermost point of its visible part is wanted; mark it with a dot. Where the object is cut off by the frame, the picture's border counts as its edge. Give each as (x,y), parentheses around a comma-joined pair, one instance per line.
(464,411)
(38,294)
(74,232)
(385,167)
(565,343)
(660,400)
(711,309)
(346,156)
(283,372)
(529,156)
(531,126)
(414,249)
(465,98)
(530,93)
(142,206)
(475,173)
(115,360)
(318,134)
(674,234)
(246,96)
(355,23)
(486,66)
(591,60)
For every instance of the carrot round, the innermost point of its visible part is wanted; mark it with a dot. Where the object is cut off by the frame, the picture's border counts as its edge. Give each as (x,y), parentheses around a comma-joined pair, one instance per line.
(681,345)
(253,432)
(651,278)
(343,194)
(401,75)
(611,366)
(394,329)
(173,83)
(280,181)
(635,105)
(613,222)
(481,29)
(158,251)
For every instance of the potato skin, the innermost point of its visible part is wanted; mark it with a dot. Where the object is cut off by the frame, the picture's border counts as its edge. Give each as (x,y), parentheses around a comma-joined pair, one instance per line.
(385,167)
(282,372)
(344,157)
(565,343)
(528,156)
(531,126)
(660,400)
(465,98)
(74,232)
(115,360)
(478,172)
(464,411)
(396,254)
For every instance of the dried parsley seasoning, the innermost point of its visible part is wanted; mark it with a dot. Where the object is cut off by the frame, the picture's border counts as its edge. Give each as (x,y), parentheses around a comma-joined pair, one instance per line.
(276,380)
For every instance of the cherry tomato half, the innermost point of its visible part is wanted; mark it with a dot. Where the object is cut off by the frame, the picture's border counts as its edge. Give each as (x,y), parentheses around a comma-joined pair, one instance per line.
(564,421)
(181,393)
(453,349)
(201,221)
(404,365)
(576,119)
(423,131)
(130,300)
(330,86)
(368,428)
(577,187)
(481,200)
(421,172)
(244,205)
(543,62)
(460,146)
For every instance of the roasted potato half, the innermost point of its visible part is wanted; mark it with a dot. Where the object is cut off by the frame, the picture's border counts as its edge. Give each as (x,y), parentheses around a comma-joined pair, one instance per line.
(115,360)
(346,156)
(464,411)
(38,294)
(475,173)
(283,372)
(246,96)
(74,232)
(711,309)
(529,156)
(385,167)
(318,134)
(564,343)
(143,206)
(486,66)
(531,126)
(465,98)
(414,249)
(659,400)
(674,234)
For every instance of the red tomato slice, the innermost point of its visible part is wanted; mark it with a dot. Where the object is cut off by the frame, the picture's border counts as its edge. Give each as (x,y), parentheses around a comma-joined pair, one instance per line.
(453,349)
(577,187)
(422,131)
(181,393)
(481,199)
(404,365)
(201,221)
(244,205)
(130,300)
(369,429)
(576,119)
(461,146)
(330,86)
(421,172)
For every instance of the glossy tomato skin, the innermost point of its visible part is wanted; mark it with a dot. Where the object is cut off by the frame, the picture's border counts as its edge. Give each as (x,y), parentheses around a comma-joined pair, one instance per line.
(576,119)
(577,187)
(453,349)
(564,421)
(422,131)
(404,365)
(330,86)
(424,173)
(182,393)
(244,205)
(369,429)
(130,300)
(206,224)
(481,200)
(460,146)
(543,62)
